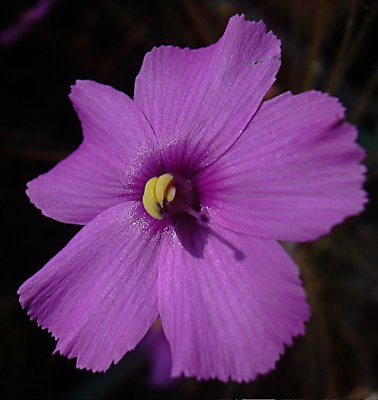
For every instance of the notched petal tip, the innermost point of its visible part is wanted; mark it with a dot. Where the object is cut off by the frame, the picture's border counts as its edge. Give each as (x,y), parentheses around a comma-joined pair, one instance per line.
(76,88)
(79,83)
(33,193)
(85,87)
(251,377)
(334,102)
(62,349)
(79,364)
(240,19)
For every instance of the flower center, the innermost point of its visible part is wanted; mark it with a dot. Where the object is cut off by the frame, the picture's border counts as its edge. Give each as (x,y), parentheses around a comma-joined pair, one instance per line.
(168,193)
(158,193)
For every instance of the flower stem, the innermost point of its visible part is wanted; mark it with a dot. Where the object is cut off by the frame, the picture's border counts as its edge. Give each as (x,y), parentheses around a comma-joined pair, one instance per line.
(333,80)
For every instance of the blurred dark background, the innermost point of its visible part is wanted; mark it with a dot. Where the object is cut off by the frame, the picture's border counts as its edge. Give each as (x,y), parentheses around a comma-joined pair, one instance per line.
(46,45)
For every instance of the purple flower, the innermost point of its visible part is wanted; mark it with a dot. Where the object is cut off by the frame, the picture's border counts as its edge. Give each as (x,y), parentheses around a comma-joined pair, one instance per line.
(184,192)
(156,349)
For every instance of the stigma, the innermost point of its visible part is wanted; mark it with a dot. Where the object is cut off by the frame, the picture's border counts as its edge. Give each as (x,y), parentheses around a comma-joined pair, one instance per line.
(158,193)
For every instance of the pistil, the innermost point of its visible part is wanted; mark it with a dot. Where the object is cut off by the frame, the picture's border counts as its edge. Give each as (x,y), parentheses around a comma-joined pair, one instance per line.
(200,216)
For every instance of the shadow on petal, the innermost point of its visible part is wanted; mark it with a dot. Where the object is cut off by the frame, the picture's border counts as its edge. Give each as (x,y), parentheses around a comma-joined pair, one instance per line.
(194,237)
(238,254)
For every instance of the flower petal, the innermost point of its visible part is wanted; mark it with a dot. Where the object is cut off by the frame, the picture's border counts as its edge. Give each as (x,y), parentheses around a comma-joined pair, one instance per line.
(90,180)
(156,348)
(98,296)
(293,174)
(204,98)
(228,312)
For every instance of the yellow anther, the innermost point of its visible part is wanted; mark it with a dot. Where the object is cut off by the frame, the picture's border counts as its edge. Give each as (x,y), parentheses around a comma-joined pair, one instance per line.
(150,202)
(163,184)
(170,194)
(158,192)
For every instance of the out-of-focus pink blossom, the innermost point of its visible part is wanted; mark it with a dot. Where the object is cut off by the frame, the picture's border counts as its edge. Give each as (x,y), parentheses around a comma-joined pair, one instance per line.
(15,31)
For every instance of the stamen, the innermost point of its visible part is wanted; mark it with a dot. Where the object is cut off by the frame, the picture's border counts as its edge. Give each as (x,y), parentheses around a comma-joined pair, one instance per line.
(164,187)
(158,193)
(150,201)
